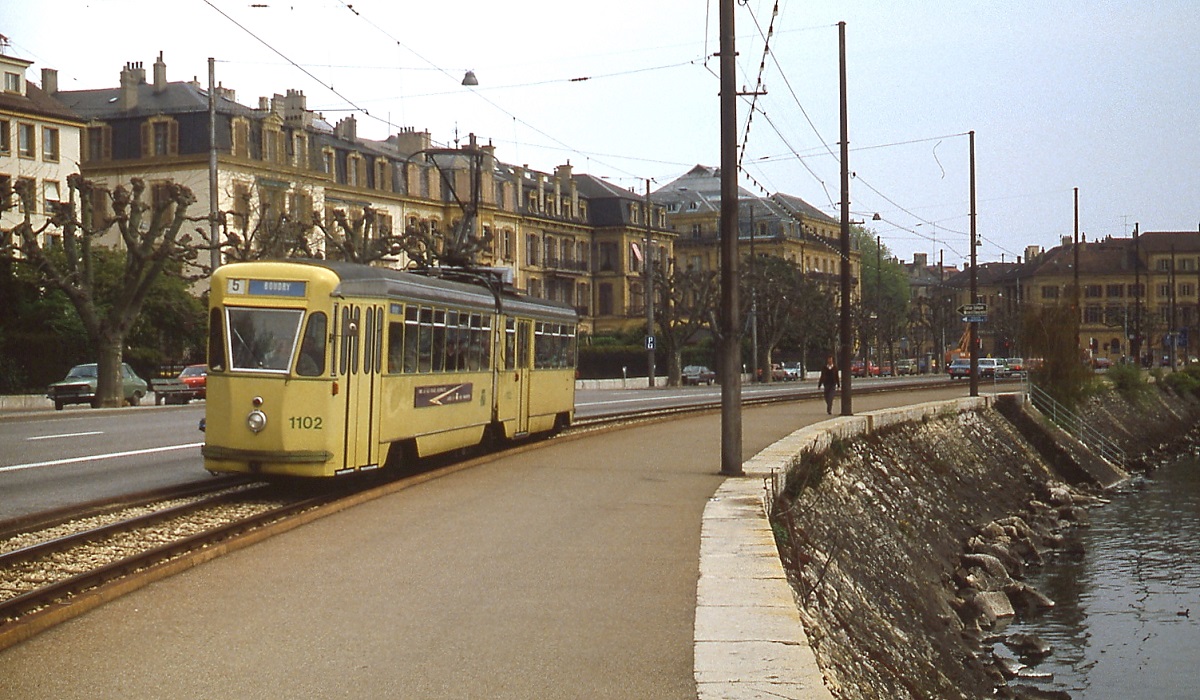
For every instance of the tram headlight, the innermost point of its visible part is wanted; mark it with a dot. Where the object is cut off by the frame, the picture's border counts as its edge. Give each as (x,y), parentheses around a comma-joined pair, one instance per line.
(256,420)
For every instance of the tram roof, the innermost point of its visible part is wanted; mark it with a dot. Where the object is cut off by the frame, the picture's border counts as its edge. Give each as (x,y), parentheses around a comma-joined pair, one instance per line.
(366,280)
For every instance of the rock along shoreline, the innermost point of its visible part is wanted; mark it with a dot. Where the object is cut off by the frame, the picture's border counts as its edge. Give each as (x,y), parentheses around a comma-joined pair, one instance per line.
(907,547)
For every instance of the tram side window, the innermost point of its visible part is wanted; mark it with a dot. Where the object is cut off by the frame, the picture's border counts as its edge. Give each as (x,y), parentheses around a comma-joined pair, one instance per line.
(554,346)
(312,346)
(510,344)
(439,341)
(479,355)
(425,342)
(411,338)
(395,354)
(523,343)
(456,350)
(216,342)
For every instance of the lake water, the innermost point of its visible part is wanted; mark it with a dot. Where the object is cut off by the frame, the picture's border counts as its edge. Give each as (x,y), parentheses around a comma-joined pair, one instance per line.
(1126,623)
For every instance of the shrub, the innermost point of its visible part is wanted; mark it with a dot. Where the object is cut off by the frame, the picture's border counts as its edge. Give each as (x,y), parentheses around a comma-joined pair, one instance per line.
(1128,381)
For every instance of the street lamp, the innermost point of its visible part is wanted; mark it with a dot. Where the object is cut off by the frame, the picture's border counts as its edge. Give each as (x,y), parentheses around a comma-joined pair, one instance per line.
(469,79)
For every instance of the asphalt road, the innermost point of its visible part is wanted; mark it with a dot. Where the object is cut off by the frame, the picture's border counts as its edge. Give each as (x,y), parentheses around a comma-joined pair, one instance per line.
(567,571)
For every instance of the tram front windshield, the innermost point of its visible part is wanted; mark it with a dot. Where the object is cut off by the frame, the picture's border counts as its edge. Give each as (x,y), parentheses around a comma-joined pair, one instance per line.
(263,339)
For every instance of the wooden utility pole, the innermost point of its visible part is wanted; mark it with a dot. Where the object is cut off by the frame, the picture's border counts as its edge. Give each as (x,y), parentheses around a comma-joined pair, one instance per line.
(646,265)
(730,373)
(844,331)
(973,335)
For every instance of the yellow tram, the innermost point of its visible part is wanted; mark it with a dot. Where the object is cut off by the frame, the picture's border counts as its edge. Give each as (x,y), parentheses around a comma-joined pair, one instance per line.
(318,369)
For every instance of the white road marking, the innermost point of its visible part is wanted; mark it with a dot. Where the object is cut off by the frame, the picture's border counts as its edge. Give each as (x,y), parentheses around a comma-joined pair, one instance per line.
(66,435)
(92,458)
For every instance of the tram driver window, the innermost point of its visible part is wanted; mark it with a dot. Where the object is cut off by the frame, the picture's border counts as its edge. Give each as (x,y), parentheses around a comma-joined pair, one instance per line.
(312,347)
(263,339)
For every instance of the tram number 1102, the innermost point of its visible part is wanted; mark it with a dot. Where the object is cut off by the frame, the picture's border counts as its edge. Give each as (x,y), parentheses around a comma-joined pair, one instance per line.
(305,422)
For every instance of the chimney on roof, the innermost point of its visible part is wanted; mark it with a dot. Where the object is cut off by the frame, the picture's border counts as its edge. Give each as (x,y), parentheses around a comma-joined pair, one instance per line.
(1032,251)
(347,128)
(49,81)
(409,140)
(920,260)
(160,75)
(132,75)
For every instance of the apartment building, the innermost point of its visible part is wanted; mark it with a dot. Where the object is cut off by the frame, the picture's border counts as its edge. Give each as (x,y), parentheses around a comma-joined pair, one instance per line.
(39,139)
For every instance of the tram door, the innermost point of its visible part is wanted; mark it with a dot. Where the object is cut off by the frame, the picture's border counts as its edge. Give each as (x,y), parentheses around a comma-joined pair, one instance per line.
(359,367)
(524,373)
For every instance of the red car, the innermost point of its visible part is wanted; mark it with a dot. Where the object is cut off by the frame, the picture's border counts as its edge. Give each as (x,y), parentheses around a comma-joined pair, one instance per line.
(196,378)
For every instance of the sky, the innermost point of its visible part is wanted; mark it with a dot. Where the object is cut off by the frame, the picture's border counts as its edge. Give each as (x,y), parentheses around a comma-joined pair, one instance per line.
(1098,97)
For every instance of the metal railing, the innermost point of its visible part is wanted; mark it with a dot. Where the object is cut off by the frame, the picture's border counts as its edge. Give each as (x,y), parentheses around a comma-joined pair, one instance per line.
(1076,426)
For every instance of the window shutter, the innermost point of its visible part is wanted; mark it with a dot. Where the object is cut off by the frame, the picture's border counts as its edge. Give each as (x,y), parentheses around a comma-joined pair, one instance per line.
(147,139)
(173,138)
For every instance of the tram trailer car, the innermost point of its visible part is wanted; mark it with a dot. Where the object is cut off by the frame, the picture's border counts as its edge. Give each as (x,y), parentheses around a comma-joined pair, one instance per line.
(321,369)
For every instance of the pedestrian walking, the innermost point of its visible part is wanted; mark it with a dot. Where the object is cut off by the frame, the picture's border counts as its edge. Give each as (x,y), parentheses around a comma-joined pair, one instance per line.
(829,381)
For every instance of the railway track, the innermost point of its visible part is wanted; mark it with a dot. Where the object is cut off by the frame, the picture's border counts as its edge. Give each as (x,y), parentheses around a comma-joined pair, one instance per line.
(48,569)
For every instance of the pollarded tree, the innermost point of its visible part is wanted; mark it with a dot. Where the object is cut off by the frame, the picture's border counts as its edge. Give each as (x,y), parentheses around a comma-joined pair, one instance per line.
(774,291)
(686,300)
(149,234)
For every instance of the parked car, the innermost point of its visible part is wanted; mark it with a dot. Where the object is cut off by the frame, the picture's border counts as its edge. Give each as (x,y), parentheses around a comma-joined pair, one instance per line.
(906,367)
(1014,366)
(1101,363)
(794,371)
(859,368)
(196,378)
(988,368)
(698,374)
(79,386)
(959,369)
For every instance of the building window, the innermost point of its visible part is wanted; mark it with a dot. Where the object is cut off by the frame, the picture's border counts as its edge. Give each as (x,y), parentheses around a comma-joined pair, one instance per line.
(1049,292)
(1164,290)
(241,138)
(1162,265)
(1187,265)
(606,300)
(5,138)
(506,238)
(50,194)
(1187,289)
(1137,290)
(26,140)
(531,249)
(1091,291)
(1115,291)
(50,144)
(160,137)
(12,82)
(29,206)
(1092,313)
(99,143)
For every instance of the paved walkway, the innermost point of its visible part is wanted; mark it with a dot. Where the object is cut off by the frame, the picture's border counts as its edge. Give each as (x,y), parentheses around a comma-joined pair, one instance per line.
(563,572)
